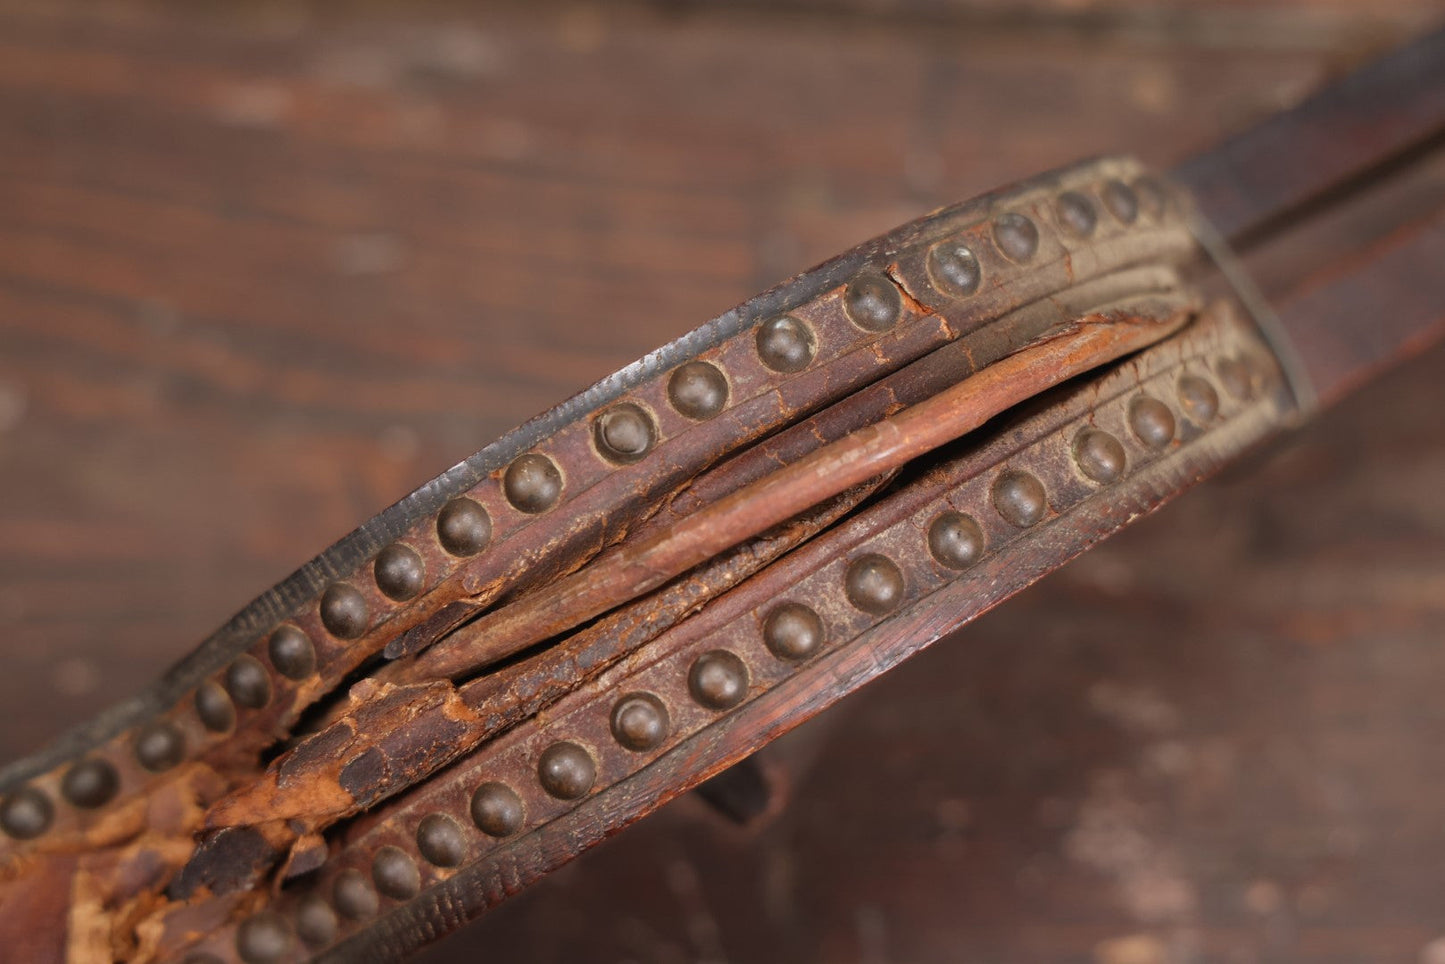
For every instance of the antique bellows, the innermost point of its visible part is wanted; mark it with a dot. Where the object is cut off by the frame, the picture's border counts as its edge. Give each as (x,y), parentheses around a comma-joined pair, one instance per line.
(637,589)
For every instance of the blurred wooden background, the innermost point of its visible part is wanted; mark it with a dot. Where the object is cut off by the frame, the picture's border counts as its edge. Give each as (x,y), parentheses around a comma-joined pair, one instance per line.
(266,267)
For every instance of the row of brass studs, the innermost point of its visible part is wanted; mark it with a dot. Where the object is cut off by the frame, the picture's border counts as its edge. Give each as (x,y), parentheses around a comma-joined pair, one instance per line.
(955,270)
(532,483)
(719,679)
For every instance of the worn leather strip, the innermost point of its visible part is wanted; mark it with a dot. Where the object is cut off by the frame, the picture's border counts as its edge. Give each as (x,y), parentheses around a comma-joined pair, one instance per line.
(951,542)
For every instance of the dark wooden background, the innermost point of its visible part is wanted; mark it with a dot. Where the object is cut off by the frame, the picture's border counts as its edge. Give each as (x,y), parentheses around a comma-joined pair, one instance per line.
(264,268)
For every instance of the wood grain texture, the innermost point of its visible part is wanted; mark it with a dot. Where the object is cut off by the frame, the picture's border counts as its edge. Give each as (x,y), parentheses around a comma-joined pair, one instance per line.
(263,272)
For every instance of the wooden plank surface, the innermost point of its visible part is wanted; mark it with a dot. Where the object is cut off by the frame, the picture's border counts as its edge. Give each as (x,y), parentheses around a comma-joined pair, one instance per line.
(265,269)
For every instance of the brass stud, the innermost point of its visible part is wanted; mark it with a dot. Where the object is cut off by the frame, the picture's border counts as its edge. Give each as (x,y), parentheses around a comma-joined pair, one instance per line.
(872,302)
(463,527)
(1121,201)
(1153,200)
(440,841)
(1198,398)
(26,813)
(955,540)
(90,783)
(1099,455)
(532,483)
(792,631)
(291,652)
(395,873)
(1151,421)
(497,810)
(1235,376)
(785,344)
(214,707)
(953,269)
(874,584)
(263,938)
(1020,498)
(159,746)
(1016,236)
(639,721)
(353,894)
(343,611)
(624,433)
(1261,368)
(248,682)
(400,573)
(698,390)
(1076,214)
(718,680)
(316,922)
(566,770)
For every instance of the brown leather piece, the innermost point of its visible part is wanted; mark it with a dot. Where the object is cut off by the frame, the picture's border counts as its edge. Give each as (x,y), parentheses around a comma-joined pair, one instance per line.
(1041,445)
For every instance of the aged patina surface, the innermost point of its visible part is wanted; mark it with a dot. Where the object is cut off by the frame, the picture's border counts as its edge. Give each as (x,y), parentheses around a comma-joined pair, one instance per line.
(349,605)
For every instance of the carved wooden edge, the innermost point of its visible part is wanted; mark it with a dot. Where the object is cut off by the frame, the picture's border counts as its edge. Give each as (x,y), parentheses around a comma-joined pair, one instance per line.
(547,495)
(936,552)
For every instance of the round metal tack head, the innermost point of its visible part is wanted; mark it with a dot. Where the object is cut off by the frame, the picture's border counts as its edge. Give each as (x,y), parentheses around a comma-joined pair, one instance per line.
(1076,214)
(159,746)
(90,783)
(1153,200)
(955,540)
(874,584)
(785,344)
(1121,201)
(26,813)
(1261,369)
(343,611)
(440,841)
(872,302)
(1151,421)
(354,895)
(792,631)
(639,721)
(1235,377)
(954,269)
(718,679)
(1099,455)
(532,483)
(248,682)
(1016,236)
(566,771)
(698,390)
(1020,498)
(291,652)
(497,810)
(395,873)
(1199,399)
(263,938)
(316,922)
(463,527)
(400,573)
(214,707)
(624,433)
